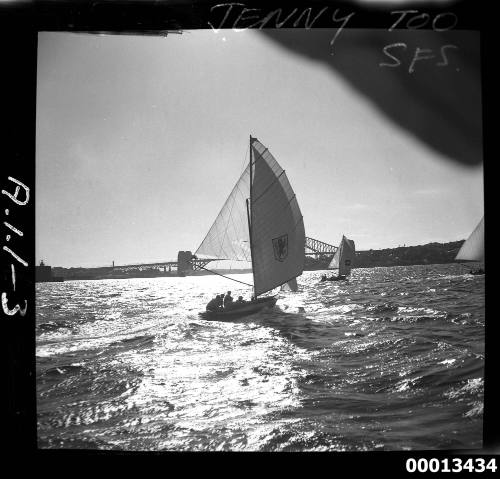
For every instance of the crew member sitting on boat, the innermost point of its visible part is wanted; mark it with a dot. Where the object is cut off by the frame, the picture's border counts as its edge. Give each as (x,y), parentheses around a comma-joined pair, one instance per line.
(228,300)
(214,304)
(240,300)
(221,301)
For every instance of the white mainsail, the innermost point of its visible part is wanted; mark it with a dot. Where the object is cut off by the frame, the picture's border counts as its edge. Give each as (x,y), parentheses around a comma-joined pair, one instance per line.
(277,227)
(260,222)
(228,238)
(343,258)
(473,247)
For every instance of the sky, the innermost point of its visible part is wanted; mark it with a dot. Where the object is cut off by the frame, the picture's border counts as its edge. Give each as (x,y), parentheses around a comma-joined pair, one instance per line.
(141,139)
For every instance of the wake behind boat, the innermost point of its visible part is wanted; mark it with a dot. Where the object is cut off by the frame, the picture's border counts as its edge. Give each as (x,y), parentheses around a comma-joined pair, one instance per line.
(477,272)
(260,223)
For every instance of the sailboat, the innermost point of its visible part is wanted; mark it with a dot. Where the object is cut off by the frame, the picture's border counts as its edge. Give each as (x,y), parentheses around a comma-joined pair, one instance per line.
(342,260)
(473,247)
(260,223)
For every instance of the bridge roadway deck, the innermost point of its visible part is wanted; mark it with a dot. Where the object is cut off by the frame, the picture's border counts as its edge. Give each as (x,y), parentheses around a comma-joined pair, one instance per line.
(313,247)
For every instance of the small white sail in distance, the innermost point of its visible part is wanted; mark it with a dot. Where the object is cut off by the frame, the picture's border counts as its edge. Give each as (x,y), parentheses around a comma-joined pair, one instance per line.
(343,258)
(473,247)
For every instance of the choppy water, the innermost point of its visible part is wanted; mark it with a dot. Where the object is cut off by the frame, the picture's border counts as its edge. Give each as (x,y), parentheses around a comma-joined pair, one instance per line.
(391,360)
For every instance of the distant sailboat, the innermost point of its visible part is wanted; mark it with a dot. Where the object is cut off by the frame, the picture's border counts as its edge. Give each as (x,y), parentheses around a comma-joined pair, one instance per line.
(260,223)
(473,247)
(342,260)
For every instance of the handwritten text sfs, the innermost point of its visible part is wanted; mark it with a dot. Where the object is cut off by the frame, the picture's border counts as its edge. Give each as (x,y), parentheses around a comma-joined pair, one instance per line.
(400,55)
(238,17)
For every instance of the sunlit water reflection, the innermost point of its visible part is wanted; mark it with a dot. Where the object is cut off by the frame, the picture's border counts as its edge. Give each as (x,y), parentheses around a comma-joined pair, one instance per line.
(392,359)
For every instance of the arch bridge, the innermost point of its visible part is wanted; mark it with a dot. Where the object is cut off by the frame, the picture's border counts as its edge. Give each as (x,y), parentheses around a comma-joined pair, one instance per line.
(316,251)
(319,248)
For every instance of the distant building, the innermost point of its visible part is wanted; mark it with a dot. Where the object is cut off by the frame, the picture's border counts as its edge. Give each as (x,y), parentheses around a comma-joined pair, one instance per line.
(43,274)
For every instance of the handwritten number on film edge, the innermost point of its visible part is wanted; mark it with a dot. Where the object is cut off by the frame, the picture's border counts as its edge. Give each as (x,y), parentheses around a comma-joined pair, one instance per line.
(20,202)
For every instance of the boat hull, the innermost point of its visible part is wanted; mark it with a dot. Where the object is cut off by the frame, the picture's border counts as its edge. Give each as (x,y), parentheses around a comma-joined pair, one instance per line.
(240,311)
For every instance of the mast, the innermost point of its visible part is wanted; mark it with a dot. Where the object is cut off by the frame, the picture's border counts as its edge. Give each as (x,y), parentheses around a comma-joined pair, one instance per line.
(249,206)
(341,251)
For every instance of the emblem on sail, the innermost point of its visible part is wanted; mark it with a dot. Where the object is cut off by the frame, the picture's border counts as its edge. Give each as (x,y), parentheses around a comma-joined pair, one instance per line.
(280,246)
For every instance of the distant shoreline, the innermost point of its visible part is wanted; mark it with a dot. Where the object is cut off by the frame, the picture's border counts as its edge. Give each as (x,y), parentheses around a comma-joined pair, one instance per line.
(431,253)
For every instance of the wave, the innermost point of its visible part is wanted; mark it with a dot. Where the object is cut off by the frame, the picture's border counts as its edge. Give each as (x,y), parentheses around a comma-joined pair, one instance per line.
(65,370)
(382,308)
(137,341)
(50,326)
(476,411)
(470,387)
(108,295)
